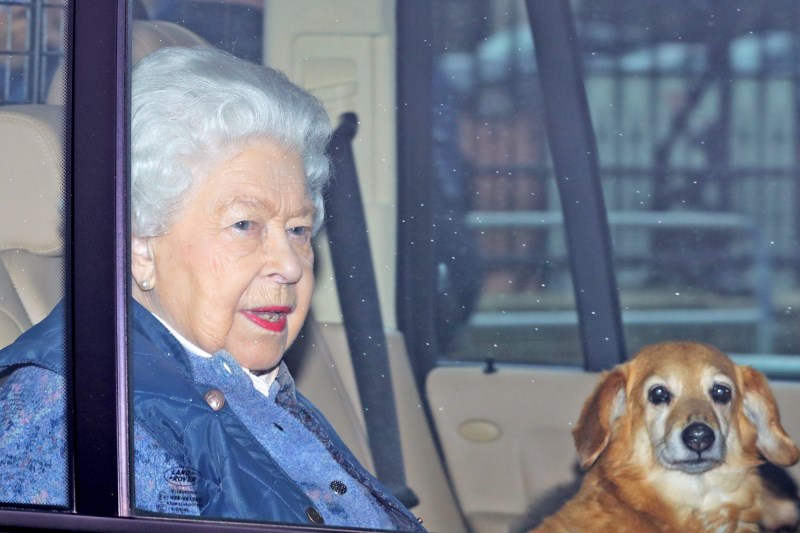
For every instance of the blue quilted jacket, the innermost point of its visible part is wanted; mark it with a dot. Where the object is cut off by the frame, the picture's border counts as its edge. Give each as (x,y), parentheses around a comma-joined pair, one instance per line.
(212,454)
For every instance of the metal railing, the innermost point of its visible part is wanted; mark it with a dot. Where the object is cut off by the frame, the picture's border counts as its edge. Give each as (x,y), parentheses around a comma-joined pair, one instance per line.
(758,261)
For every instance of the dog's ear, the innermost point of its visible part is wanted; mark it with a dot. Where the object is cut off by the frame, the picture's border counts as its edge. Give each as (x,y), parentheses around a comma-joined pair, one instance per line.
(761,409)
(593,430)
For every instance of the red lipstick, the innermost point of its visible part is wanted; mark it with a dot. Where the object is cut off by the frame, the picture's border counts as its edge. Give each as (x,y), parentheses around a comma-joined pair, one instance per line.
(270,318)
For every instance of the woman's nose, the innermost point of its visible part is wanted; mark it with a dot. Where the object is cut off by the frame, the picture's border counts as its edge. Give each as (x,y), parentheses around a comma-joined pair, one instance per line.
(282,262)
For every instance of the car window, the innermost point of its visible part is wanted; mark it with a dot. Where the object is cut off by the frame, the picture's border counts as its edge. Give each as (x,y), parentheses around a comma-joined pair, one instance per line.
(697,157)
(502,280)
(695,147)
(33,236)
(236,26)
(222,285)
(32,48)
(691,105)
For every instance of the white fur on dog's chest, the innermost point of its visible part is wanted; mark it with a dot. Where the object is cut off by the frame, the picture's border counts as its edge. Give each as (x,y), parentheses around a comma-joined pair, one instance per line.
(709,497)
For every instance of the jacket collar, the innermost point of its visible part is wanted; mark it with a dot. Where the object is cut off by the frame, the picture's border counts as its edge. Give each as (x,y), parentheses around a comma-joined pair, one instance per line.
(27,349)
(149,327)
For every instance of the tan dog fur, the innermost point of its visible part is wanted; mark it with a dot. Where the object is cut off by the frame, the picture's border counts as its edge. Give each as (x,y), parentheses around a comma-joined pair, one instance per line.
(642,477)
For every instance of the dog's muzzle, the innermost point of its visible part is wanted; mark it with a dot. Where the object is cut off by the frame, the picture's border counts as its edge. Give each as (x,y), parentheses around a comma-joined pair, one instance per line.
(693,449)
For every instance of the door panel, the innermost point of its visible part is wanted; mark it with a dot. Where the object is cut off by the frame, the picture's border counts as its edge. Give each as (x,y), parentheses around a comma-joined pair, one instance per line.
(531,411)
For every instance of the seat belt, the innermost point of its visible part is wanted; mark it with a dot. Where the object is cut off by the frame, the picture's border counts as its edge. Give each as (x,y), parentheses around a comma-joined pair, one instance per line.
(358,296)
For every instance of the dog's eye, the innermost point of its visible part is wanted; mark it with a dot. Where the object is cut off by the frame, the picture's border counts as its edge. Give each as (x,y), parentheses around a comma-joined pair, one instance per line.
(721,393)
(658,395)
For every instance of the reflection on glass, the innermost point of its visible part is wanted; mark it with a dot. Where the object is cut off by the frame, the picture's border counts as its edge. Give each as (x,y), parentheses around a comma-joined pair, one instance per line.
(33,440)
(504,289)
(693,107)
(31,46)
(235,26)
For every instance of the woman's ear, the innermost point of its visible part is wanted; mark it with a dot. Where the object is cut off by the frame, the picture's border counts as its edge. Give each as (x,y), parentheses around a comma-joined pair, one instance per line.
(761,409)
(593,430)
(143,265)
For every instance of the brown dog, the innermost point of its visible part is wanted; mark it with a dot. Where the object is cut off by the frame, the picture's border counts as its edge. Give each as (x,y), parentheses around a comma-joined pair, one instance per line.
(672,441)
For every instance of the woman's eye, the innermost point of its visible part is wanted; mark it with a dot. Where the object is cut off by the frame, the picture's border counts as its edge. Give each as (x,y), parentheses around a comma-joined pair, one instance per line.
(244,225)
(659,395)
(300,231)
(721,393)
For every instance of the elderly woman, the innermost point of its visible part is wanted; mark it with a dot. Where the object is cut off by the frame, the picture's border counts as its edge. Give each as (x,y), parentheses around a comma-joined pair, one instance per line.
(228,168)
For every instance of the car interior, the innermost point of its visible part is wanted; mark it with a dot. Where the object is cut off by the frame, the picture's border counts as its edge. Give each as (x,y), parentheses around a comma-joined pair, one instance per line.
(483,438)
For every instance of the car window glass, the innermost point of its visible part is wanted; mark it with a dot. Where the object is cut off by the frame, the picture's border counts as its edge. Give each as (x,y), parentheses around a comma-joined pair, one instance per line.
(33,393)
(218,429)
(233,25)
(697,156)
(503,286)
(693,108)
(161,483)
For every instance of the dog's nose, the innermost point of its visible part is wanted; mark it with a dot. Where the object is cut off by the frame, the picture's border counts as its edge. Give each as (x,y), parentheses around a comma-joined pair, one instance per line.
(698,437)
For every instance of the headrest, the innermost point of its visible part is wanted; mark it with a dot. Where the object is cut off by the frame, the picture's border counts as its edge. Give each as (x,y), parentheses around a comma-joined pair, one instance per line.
(31,178)
(147,36)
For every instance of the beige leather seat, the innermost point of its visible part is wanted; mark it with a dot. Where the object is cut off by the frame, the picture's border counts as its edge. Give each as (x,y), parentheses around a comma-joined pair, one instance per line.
(31,192)
(31,213)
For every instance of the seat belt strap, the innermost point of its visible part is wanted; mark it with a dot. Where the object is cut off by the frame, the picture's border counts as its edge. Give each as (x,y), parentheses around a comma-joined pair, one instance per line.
(358,296)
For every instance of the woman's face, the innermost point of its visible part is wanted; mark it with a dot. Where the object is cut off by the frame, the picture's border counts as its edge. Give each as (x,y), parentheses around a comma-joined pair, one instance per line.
(235,270)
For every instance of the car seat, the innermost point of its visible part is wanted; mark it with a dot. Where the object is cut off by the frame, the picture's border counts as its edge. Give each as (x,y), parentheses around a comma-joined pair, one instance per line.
(32,191)
(32,209)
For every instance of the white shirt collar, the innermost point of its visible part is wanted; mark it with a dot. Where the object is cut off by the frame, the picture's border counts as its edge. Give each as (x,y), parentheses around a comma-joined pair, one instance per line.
(261,382)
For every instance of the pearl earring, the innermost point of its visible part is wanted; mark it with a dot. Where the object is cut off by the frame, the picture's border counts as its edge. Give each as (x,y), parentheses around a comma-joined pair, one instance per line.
(144,285)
